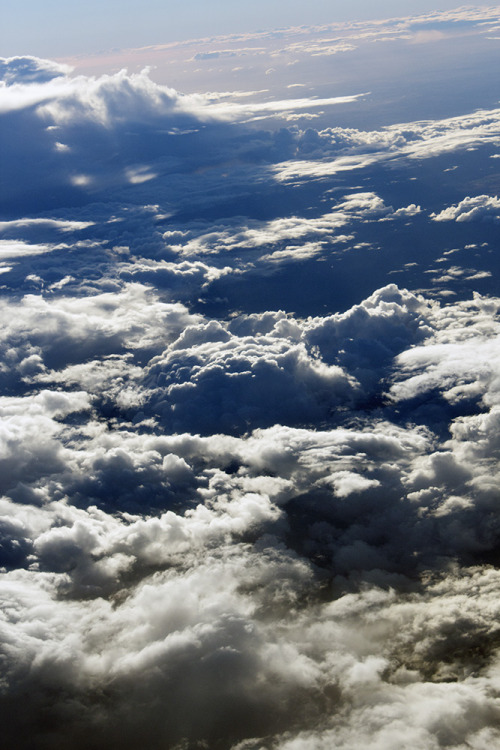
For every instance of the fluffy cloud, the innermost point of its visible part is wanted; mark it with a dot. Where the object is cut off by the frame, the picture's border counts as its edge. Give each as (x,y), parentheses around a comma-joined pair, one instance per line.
(228,383)
(227,587)
(234,526)
(471,209)
(459,360)
(40,333)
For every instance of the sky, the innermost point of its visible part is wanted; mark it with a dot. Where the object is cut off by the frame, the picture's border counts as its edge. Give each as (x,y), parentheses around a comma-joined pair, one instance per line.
(68,27)
(249,392)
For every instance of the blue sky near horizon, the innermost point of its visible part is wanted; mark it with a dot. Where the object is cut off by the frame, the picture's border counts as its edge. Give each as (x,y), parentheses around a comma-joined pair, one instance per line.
(69,27)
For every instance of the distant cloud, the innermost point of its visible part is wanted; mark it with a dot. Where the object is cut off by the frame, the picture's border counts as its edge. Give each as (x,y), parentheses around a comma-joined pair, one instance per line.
(471,209)
(298,44)
(426,36)
(22,70)
(75,126)
(318,47)
(214,55)
(349,149)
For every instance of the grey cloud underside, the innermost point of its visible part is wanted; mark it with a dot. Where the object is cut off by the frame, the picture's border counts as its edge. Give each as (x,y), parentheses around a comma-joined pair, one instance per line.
(226,524)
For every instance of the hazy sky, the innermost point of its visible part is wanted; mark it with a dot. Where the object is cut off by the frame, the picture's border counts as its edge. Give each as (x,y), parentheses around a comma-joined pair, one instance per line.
(66,27)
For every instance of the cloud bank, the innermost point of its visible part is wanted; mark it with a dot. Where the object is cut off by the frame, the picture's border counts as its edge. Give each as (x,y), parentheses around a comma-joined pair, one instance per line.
(227,523)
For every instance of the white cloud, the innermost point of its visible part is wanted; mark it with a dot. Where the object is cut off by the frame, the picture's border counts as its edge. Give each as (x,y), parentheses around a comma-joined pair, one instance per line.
(471,209)
(10,250)
(239,525)
(37,225)
(209,378)
(459,360)
(245,240)
(346,149)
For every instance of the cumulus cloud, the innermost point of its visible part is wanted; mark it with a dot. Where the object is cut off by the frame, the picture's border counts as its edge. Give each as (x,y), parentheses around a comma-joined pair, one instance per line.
(458,360)
(256,522)
(233,526)
(216,596)
(471,209)
(212,379)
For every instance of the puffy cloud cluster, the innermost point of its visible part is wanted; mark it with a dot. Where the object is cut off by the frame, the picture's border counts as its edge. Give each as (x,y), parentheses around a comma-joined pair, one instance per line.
(261,584)
(459,360)
(210,380)
(251,529)
(39,334)
(471,209)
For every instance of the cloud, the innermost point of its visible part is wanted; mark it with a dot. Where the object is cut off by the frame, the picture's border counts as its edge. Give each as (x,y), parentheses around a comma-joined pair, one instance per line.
(218,611)
(347,149)
(229,525)
(471,209)
(212,379)
(83,137)
(427,36)
(318,48)
(11,250)
(458,362)
(22,456)
(235,111)
(39,225)
(309,235)
(40,334)
(170,609)
(30,69)
(297,45)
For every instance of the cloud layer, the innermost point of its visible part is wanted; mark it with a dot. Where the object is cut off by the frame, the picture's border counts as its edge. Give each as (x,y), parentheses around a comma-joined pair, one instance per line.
(243,508)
